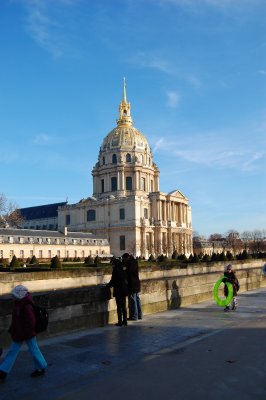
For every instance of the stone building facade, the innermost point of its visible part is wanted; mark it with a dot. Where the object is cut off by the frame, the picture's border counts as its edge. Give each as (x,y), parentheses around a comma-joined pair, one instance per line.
(127,206)
(26,243)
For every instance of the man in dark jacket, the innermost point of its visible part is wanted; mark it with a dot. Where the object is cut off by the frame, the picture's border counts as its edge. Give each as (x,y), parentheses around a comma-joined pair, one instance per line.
(119,283)
(134,302)
(23,329)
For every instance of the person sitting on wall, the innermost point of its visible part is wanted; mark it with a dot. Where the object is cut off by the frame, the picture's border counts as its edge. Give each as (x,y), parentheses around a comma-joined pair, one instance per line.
(119,283)
(134,302)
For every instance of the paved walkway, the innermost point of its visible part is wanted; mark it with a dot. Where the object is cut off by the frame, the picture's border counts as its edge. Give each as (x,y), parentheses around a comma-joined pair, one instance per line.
(196,352)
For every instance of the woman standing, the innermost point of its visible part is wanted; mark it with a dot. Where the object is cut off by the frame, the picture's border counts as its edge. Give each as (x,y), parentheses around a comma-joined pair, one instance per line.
(23,329)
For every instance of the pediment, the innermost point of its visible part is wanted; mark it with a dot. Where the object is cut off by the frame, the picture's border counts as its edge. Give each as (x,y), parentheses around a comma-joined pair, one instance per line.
(178,194)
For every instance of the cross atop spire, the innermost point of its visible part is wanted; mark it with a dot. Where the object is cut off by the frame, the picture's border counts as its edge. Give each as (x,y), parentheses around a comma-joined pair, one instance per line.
(124,110)
(124,92)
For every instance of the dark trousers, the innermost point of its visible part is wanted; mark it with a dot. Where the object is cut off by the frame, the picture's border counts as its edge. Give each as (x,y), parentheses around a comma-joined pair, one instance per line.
(121,308)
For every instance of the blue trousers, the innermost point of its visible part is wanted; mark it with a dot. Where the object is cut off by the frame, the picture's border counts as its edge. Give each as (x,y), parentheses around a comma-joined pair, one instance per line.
(134,304)
(13,351)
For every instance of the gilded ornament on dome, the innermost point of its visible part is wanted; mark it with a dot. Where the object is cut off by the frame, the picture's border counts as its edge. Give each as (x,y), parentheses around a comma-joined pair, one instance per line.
(115,141)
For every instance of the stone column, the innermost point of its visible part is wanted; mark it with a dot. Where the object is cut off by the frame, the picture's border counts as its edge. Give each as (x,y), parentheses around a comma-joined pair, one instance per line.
(122,179)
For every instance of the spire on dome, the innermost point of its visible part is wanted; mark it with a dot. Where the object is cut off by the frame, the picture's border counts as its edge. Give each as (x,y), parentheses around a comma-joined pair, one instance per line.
(124,92)
(124,110)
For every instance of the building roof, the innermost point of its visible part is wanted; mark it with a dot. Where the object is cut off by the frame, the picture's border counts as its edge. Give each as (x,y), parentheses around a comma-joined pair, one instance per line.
(39,212)
(46,233)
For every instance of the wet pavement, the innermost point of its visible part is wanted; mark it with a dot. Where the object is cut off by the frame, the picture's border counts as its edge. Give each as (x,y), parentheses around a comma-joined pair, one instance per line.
(196,352)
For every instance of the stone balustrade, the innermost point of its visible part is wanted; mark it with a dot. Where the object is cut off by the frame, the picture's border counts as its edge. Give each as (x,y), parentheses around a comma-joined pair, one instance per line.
(78,299)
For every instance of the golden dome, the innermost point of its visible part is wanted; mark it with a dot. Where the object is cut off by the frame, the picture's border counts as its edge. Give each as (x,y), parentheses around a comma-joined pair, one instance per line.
(125,136)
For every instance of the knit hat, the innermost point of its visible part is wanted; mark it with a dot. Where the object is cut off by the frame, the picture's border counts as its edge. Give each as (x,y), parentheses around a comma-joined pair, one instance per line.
(228,267)
(19,292)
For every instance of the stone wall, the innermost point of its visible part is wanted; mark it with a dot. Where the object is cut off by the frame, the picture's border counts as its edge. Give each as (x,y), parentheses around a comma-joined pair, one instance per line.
(79,299)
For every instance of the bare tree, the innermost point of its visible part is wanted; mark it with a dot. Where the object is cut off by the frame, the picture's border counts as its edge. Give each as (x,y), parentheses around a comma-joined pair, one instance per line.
(9,213)
(246,237)
(257,242)
(233,241)
(214,237)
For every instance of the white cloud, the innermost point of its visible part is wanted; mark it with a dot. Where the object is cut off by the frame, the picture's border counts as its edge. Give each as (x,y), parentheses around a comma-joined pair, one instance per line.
(153,61)
(43,139)
(158,145)
(43,25)
(214,150)
(195,81)
(173,98)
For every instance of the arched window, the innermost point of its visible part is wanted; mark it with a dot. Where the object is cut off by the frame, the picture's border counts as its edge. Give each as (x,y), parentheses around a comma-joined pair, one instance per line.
(114,159)
(128,183)
(113,184)
(128,158)
(91,215)
(103,160)
(143,184)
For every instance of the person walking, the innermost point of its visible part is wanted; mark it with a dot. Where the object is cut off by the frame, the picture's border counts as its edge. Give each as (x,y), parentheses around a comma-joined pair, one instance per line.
(119,283)
(134,301)
(22,329)
(230,276)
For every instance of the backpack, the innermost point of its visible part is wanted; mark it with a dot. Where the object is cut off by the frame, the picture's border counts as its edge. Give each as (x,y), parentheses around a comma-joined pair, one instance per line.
(42,317)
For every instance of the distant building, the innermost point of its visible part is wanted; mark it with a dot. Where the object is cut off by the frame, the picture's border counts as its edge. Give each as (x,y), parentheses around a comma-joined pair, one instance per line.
(127,206)
(41,217)
(25,243)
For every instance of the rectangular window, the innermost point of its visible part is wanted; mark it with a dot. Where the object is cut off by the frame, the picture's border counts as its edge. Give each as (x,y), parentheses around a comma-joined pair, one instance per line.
(21,254)
(11,253)
(128,183)
(49,253)
(113,184)
(58,253)
(91,215)
(122,243)
(40,253)
(102,185)
(1,253)
(67,219)
(122,213)
(31,253)
(146,213)
(143,184)
(151,185)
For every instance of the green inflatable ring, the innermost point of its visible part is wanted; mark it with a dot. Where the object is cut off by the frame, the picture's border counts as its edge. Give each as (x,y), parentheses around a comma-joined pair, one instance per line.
(229,296)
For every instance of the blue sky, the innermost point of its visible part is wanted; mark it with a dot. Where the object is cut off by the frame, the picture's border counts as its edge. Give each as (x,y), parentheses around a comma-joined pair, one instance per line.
(196,74)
